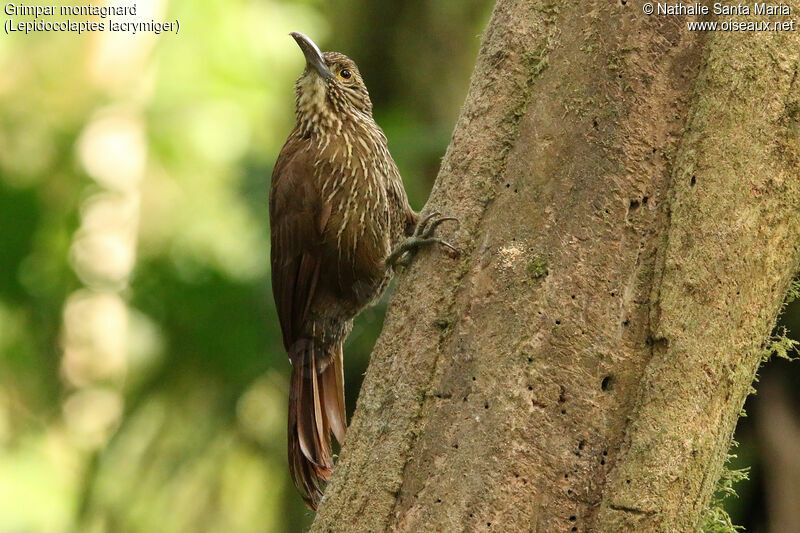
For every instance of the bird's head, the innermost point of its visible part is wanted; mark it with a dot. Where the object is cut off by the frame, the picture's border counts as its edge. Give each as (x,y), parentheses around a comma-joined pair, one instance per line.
(331,89)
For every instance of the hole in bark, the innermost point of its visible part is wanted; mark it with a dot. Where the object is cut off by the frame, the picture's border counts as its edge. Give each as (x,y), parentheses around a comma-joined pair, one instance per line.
(572,518)
(594,123)
(530,387)
(515,190)
(558,322)
(693,181)
(634,205)
(563,411)
(455,446)
(488,524)
(626,322)
(605,453)
(569,491)
(473,378)
(574,529)
(581,445)
(606,383)
(508,185)
(573,296)
(486,405)
(566,476)
(602,461)
(644,200)
(628,481)
(654,150)
(530,359)
(613,294)
(623,2)
(619,76)
(438,500)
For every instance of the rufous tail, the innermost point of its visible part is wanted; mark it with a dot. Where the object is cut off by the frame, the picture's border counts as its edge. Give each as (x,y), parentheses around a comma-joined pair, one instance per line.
(316,408)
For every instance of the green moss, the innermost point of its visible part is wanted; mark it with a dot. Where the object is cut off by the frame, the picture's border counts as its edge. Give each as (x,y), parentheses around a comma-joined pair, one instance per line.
(535,63)
(645,275)
(550,11)
(781,345)
(442,323)
(792,113)
(421,395)
(794,291)
(716,519)
(537,268)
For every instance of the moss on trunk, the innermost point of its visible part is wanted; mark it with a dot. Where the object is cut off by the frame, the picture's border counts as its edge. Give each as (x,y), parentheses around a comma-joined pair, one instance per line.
(629,198)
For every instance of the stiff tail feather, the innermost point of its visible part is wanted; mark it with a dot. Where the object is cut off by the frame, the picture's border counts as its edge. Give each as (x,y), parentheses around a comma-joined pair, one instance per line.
(316,408)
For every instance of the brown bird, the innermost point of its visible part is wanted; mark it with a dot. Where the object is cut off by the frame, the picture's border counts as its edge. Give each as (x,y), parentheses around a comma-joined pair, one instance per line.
(340,222)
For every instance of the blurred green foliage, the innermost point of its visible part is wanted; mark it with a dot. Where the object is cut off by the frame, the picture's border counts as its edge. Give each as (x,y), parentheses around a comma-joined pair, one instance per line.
(187,431)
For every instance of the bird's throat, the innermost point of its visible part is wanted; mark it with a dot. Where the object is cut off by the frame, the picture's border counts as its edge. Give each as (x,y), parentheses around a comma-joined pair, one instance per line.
(314,111)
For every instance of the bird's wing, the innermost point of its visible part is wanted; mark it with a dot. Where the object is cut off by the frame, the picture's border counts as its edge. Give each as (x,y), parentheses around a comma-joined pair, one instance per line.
(316,393)
(296,223)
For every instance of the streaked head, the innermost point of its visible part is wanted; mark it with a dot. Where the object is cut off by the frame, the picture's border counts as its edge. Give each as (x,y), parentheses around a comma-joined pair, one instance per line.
(330,86)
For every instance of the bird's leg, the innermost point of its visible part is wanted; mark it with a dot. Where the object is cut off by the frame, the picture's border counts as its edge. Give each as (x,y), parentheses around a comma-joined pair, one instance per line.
(404,253)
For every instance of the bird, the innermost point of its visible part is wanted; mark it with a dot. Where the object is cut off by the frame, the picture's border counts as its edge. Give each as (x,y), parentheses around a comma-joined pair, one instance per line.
(340,225)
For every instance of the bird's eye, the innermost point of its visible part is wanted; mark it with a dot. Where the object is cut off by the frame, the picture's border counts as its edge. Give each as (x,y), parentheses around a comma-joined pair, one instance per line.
(345,74)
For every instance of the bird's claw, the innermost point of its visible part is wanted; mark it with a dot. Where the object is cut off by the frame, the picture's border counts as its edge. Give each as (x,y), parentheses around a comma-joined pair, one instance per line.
(423,236)
(428,225)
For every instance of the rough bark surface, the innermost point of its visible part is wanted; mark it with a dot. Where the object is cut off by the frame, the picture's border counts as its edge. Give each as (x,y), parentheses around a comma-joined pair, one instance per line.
(629,197)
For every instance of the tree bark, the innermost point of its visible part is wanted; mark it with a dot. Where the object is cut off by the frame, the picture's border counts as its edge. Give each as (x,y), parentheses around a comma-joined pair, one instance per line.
(629,198)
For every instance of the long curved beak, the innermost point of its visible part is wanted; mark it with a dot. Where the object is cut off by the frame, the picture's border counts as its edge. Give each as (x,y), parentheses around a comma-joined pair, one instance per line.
(314,59)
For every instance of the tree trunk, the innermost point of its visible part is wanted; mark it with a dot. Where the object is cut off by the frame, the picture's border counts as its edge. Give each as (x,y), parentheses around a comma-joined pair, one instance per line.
(629,198)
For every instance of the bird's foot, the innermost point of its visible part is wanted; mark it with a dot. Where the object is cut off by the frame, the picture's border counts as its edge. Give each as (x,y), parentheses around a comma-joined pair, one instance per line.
(404,253)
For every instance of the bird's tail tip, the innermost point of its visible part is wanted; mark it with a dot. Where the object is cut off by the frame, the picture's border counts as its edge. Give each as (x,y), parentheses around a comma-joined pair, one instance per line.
(316,409)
